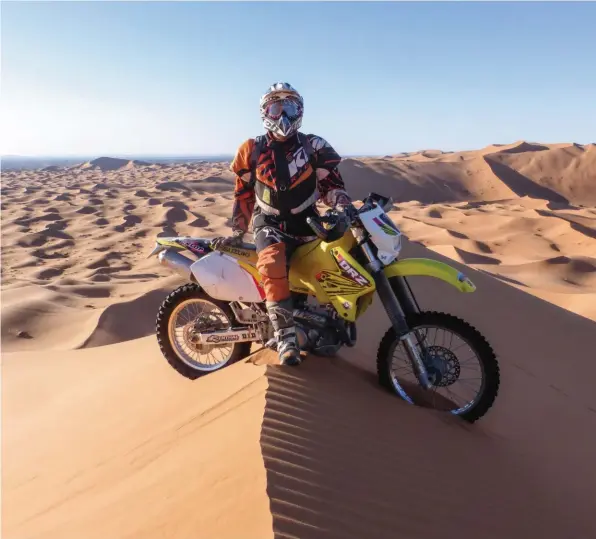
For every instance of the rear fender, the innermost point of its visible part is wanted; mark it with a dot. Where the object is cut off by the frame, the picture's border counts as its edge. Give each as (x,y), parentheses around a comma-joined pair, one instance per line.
(430,268)
(162,244)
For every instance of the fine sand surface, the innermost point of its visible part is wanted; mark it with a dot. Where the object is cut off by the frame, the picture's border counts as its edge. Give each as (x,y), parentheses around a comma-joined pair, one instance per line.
(102,439)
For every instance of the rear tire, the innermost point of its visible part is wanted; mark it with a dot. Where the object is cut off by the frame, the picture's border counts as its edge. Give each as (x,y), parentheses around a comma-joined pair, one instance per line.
(184,293)
(467,333)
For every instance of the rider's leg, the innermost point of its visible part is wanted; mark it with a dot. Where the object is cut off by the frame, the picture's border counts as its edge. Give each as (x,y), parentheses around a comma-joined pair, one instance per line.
(274,249)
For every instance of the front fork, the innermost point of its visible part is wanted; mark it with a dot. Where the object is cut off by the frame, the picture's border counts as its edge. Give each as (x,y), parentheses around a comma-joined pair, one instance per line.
(394,309)
(400,325)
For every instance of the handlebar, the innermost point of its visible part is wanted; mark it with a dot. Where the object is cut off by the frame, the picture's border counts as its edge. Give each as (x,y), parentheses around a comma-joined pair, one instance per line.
(340,225)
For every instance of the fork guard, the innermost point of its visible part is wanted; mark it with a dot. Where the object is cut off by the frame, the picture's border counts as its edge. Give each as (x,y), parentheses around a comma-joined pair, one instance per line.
(430,268)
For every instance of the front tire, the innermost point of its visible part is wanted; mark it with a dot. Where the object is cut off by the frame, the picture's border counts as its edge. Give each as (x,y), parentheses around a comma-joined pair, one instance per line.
(180,352)
(444,364)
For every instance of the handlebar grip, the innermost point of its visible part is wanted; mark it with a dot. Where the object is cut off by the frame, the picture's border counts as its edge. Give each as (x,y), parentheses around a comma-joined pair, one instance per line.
(317,228)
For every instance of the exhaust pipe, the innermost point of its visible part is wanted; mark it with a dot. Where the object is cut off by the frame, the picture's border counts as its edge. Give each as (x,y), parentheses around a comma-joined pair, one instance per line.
(177,263)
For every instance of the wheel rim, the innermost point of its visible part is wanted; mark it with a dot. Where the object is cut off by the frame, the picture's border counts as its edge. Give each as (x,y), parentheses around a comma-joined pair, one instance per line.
(451,361)
(189,317)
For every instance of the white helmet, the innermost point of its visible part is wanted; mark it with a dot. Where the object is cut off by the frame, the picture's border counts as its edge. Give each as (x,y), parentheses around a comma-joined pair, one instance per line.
(281,110)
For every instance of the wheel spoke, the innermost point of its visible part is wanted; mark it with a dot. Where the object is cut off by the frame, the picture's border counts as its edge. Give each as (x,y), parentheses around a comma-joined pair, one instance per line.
(448,354)
(198,315)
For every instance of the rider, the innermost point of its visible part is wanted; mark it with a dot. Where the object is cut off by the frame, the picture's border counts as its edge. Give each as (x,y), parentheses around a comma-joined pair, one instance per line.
(283,174)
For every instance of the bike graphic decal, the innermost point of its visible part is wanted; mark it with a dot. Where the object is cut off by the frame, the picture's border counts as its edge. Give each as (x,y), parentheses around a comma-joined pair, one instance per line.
(231,338)
(386,225)
(337,285)
(195,246)
(235,251)
(350,271)
(222,338)
(349,282)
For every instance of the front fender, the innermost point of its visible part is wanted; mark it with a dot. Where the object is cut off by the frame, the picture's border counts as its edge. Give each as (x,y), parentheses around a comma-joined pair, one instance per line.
(430,268)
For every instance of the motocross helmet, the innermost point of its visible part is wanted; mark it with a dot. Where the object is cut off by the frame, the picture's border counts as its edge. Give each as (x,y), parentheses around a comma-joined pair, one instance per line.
(281,110)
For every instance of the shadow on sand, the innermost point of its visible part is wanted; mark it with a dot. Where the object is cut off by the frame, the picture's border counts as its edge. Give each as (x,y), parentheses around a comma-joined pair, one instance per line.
(523,186)
(346,459)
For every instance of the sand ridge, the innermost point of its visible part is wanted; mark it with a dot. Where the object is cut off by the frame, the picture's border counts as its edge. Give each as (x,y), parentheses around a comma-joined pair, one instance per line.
(101,438)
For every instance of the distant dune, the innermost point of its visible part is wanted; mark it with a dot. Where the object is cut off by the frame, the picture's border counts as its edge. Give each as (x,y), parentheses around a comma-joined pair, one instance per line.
(106,164)
(101,439)
(554,172)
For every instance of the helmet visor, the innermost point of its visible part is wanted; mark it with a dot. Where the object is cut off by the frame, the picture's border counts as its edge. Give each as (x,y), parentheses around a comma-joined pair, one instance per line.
(289,106)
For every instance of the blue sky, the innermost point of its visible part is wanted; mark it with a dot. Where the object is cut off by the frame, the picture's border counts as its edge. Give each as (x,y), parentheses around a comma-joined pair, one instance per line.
(116,78)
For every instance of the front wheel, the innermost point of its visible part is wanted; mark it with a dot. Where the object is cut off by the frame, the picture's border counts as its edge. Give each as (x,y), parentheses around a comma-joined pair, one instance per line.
(461,365)
(187,311)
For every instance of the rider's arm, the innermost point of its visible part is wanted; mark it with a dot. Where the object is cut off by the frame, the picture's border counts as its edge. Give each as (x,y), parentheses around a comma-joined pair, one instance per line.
(244,194)
(331,185)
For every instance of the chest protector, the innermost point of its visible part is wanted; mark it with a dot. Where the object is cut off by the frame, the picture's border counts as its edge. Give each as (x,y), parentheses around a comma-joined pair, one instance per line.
(290,194)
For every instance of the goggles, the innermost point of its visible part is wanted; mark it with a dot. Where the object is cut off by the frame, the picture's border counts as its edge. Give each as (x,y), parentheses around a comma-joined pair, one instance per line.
(289,106)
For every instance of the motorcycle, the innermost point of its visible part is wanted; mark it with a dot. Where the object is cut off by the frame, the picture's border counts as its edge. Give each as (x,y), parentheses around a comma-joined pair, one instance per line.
(214,318)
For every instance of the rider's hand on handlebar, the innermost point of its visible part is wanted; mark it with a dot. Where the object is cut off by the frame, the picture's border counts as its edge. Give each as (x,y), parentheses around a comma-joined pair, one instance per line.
(349,212)
(235,240)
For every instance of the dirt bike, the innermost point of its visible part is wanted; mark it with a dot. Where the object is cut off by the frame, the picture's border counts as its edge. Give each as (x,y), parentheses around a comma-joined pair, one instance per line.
(221,311)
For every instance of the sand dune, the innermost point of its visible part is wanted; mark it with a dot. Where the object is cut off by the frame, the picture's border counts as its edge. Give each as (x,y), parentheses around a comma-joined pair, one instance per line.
(554,172)
(111,163)
(101,438)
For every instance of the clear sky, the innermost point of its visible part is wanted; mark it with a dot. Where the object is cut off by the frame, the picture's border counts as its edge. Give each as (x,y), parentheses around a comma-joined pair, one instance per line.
(117,78)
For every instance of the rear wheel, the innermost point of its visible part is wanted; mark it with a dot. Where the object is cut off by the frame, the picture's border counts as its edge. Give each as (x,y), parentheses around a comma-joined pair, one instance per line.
(186,312)
(460,363)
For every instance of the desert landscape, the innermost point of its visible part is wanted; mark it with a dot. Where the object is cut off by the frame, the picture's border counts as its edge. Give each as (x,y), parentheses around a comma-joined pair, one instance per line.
(102,439)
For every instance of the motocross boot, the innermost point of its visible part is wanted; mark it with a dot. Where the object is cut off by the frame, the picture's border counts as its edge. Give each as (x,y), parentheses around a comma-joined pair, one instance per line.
(282,320)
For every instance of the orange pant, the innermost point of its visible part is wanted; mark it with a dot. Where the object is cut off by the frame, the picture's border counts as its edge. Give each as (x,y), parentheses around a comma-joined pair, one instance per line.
(272,265)
(275,249)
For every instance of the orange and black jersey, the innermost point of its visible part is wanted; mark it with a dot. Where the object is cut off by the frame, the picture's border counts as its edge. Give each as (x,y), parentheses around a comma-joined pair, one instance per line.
(287,181)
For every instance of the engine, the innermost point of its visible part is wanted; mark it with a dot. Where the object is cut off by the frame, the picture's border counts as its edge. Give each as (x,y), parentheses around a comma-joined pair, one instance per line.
(318,331)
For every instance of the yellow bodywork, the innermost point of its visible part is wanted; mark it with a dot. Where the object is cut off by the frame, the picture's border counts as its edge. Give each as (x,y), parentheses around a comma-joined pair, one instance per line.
(332,275)
(316,269)
(430,268)
(328,272)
